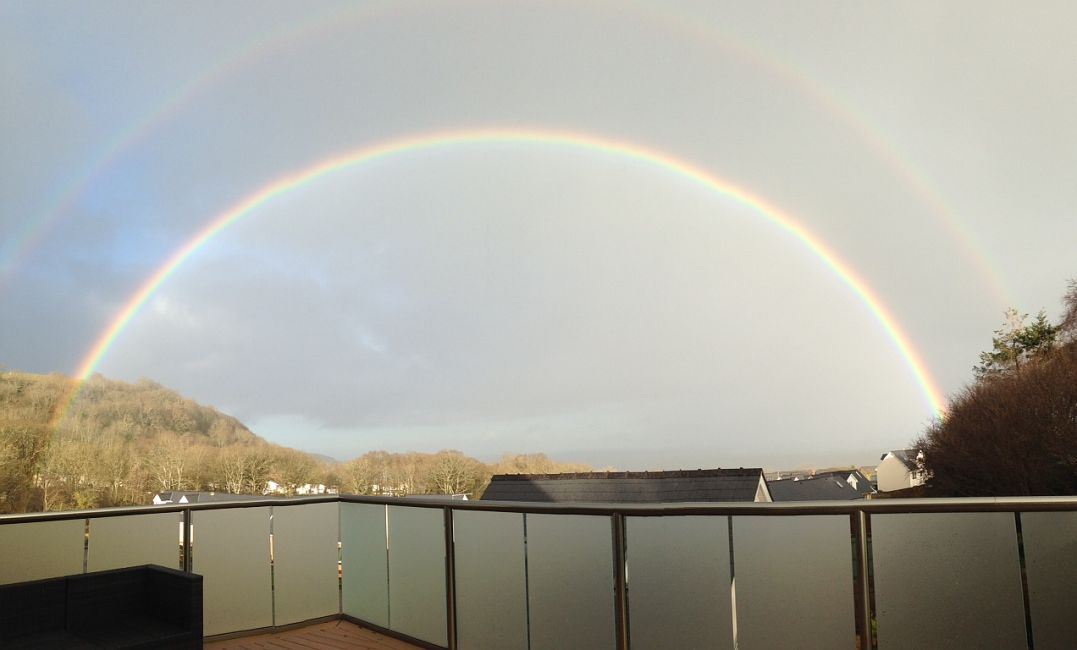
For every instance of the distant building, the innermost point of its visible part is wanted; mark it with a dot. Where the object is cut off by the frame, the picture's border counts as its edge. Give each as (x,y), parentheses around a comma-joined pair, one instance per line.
(180,497)
(678,486)
(272,487)
(900,469)
(817,488)
(854,477)
(439,497)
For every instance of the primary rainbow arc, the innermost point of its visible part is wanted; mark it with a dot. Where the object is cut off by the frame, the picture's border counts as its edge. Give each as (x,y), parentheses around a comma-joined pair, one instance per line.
(584,141)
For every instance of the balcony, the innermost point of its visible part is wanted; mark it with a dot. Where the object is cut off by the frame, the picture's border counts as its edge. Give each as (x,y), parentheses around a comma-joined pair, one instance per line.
(938,573)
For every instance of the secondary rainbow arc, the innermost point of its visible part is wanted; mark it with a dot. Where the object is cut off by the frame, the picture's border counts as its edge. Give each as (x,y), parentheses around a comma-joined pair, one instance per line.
(31,234)
(443,139)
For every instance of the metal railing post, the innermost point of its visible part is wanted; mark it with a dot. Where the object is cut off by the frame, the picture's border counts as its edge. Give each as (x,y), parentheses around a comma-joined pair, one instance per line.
(450,581)
(620,588)
(865,592)
(187,540)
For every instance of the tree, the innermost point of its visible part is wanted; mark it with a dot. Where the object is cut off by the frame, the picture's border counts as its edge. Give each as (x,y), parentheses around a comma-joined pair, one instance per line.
(22,446)
(1015,343)
(453,473)
(292,469)
(360,475)
(1013,432)
(1068,325)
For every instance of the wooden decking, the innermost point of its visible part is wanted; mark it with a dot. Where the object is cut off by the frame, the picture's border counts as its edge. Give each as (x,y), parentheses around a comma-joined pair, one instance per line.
(330,634)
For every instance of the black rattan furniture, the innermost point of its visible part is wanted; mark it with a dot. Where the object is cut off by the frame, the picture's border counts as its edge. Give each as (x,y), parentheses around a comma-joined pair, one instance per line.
(137,607)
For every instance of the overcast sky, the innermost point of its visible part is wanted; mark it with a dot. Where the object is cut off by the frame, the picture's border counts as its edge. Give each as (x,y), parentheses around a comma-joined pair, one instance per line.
(500,297)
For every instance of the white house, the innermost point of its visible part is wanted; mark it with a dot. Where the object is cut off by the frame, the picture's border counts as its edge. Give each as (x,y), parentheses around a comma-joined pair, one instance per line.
(272,487)
(900,469)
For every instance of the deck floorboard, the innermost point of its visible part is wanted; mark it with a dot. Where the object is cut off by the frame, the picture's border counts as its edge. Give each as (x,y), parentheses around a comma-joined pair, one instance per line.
(329,635)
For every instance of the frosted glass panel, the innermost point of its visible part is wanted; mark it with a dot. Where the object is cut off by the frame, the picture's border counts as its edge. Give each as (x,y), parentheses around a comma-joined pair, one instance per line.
(365,562)
(231,553)
(1051,566)
(491,592)
(41,550)
(948,580)
(137,539)
(570,581)
(305,582)
(678,582)
(794,582)
(417,573)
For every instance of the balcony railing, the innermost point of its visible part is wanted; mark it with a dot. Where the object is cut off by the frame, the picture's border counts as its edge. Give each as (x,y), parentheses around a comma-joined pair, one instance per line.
(920,573)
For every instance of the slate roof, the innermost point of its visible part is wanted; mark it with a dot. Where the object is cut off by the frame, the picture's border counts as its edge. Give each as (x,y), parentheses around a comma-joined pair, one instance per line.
(863,485)
(203,497)
(907,457)
(827,488)
(701,485)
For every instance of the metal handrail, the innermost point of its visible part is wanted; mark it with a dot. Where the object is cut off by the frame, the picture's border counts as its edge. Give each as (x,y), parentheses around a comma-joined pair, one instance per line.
(858,512)
(870,506)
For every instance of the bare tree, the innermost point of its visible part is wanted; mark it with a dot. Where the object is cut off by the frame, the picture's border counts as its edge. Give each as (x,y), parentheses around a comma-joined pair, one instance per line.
(454,473)
(292,469)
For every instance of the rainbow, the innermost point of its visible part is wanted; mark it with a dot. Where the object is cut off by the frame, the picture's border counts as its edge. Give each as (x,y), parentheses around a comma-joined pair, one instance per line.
(913,180)
(522,136)
(18,247)
(30,235)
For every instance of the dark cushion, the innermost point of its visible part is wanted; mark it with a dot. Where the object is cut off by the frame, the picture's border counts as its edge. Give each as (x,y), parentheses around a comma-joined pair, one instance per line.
(140,632)
(100,599)
(50,640)
(148,607)
(28,608)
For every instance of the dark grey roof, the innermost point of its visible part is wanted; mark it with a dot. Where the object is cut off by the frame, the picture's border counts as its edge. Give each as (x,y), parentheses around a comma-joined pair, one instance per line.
(829,488)
(863,485)
(699,485)
(204,497)
(907,457)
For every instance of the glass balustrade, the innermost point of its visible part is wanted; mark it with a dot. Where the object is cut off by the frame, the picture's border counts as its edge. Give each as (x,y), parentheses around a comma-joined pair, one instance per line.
(133,540)
(534,579)
(231,553)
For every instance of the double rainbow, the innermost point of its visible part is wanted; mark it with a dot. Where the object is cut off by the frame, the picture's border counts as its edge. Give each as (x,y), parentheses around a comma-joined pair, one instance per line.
(571,140)
(264,46)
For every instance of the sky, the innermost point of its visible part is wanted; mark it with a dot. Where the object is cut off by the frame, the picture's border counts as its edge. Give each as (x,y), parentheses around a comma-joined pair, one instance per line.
(694,235)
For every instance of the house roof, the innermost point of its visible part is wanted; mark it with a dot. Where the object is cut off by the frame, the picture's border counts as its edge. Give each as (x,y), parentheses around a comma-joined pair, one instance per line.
(906,456)
(863,485)
(204,497)
(820,488)
(701,485)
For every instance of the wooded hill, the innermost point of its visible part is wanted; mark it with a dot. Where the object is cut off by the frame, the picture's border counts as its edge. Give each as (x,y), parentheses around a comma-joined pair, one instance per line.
(119,443)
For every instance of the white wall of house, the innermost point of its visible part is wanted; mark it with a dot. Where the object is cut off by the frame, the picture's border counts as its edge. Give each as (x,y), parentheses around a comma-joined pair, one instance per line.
(892,474)
(762,494)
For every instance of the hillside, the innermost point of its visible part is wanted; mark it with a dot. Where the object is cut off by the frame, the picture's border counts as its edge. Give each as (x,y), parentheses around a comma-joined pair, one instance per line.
(118,444)
(107,408)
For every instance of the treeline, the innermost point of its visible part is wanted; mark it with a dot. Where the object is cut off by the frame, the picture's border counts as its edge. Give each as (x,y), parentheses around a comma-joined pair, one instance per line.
(115,443)
(1013,431)
(446,472)
(119,444)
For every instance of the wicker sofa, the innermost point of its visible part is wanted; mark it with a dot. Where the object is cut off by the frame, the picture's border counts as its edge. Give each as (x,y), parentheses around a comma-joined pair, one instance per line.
(136,607)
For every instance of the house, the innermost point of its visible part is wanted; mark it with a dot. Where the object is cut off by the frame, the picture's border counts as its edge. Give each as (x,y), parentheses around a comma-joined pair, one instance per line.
(308,489)
(438,497)
(857,478)
(854,477)
(826,487)
(677,486)
(900,469)
(179,497)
